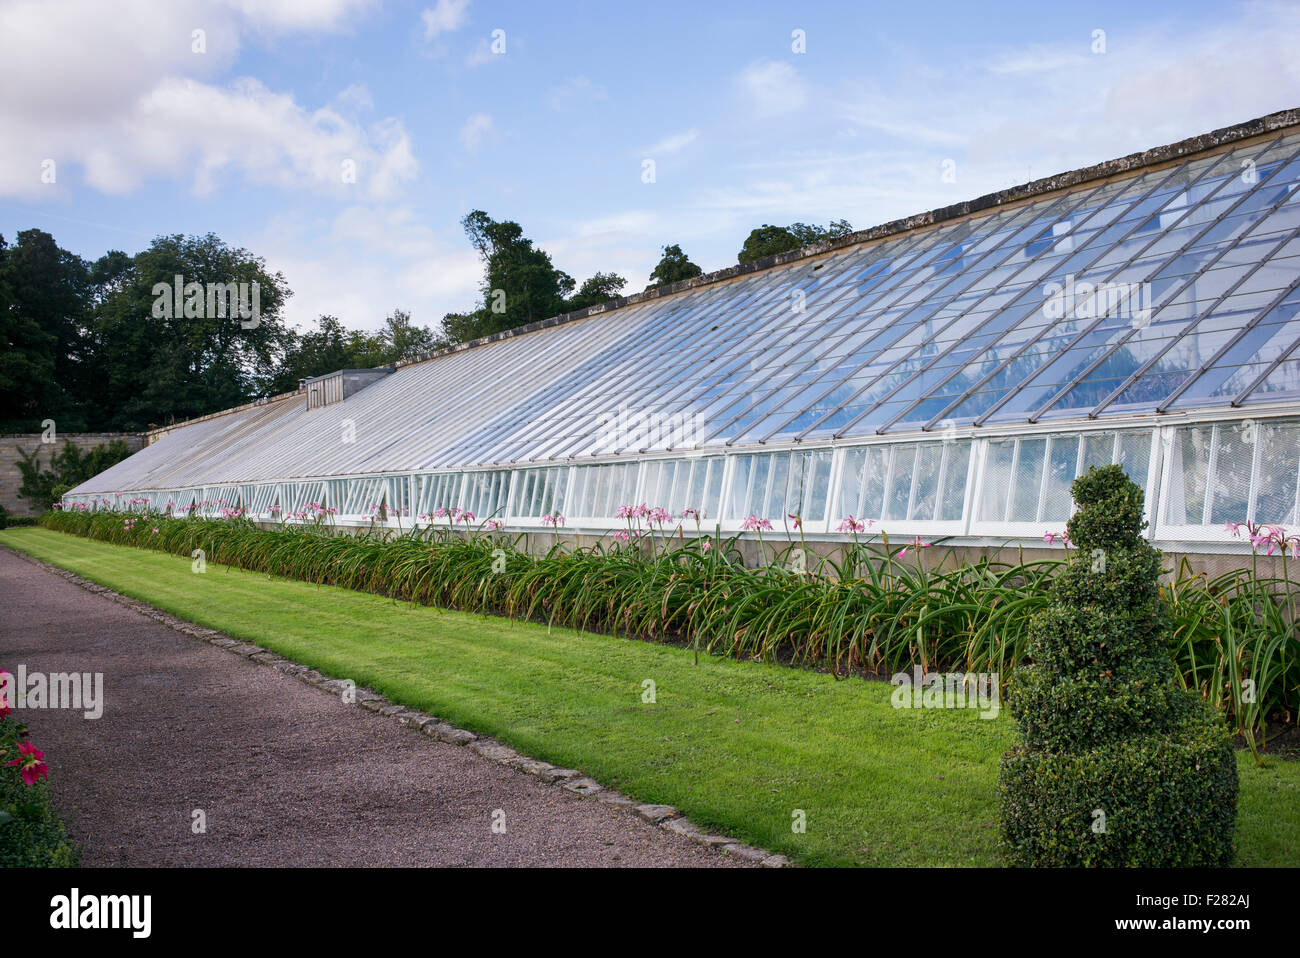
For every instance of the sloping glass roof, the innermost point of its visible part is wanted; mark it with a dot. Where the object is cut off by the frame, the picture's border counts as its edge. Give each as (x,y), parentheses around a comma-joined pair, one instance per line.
(1171,288)
(1177,287)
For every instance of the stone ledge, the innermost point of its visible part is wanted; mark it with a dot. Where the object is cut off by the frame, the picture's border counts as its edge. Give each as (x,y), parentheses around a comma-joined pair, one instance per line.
(569,779)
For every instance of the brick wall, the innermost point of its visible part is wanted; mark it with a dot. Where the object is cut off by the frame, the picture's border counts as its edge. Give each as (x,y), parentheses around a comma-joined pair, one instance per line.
(11,478)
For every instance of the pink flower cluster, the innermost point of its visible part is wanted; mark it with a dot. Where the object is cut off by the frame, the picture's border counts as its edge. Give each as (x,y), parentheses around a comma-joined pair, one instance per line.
(315,511)
(1266,538)
(853,525)
(916,545)
(30,761)
(455,514)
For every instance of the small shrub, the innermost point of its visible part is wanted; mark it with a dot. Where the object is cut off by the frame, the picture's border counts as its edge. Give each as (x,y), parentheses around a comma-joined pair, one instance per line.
(31,834)
(1119,765)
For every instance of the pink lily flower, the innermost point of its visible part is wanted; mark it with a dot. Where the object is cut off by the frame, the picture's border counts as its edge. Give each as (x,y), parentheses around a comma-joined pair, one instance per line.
(33,769)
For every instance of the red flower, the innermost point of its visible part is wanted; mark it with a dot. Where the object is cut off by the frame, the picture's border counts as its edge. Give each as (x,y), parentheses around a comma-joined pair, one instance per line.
(33,769)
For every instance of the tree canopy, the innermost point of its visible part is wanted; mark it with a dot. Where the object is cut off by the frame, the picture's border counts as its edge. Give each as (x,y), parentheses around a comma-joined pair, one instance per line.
(520,283)
(769,240)
(673,267)
(191,325)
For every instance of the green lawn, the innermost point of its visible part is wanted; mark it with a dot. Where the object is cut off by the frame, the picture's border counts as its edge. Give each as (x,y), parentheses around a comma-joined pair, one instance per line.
(735,745)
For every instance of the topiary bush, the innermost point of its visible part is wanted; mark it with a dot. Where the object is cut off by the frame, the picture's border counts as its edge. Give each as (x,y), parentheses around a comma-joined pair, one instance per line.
(1118,765)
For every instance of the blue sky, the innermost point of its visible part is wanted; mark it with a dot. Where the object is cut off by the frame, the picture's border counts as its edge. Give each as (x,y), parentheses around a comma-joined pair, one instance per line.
(249,138)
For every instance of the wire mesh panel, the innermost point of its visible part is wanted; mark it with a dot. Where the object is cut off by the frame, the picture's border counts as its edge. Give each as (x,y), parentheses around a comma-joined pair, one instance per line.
(539,492)
(1025,482)
(775,486)
(484,493)
(680,484)
(1232,472)
(599,491)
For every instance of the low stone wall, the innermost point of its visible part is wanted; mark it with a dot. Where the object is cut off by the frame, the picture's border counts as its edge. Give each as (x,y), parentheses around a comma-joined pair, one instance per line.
(10,446)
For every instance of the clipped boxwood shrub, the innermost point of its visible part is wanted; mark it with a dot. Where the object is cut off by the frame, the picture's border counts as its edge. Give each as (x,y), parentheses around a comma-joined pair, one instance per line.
(1118,765)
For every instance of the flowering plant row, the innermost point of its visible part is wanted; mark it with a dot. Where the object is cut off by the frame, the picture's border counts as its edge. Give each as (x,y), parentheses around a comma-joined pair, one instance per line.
(868,605)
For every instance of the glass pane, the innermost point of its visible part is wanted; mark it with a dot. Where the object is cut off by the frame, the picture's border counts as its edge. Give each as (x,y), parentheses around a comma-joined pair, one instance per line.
(952,496)
(929,459)
(1028,480)
(1230,484)
(1184,499)
(997,480)
(900,482)
(1279,472)
(1061,471)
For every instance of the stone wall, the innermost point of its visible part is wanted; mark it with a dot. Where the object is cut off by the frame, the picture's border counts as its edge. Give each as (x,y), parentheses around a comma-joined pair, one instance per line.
(10,445)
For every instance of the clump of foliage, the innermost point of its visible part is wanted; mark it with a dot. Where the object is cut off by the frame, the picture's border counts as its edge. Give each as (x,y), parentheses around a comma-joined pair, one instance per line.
(69,467)
(1119,764)
(767,240)
(673,267)
(7,521)
(31,834)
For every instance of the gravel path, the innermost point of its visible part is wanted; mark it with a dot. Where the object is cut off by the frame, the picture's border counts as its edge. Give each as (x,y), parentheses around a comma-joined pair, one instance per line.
(286,774)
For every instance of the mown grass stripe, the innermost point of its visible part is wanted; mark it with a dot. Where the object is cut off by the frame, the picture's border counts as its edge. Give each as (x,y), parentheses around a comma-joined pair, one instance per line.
(736,745)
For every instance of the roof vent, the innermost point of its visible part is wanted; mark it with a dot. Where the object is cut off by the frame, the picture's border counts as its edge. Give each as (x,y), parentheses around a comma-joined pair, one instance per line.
(337,386)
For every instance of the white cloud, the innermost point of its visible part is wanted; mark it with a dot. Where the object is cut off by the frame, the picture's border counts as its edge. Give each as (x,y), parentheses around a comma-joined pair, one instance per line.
(445,17)
(356,98)
(624,224)
(673,143)
(282,16)
(475,131)
(481,54)
(118,93)
(366,261)
(577,91)
(1037,59)
(771,86)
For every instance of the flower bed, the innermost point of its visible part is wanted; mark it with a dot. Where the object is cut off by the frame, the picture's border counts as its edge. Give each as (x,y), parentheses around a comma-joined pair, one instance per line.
(873,608)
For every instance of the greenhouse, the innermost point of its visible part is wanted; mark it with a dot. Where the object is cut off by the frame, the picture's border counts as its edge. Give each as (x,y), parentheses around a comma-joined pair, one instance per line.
(945,375)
